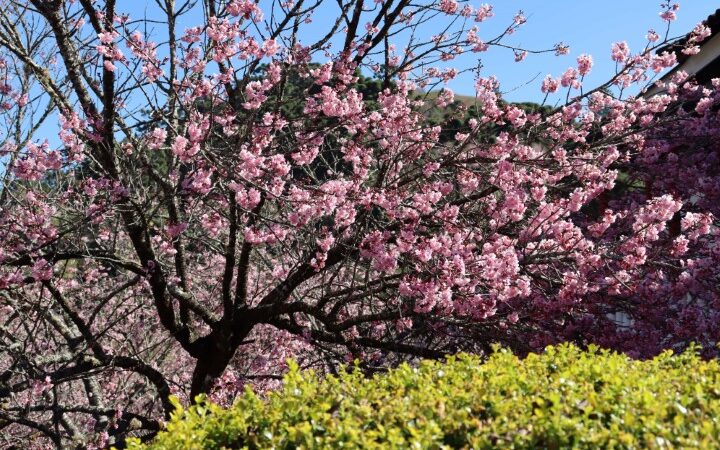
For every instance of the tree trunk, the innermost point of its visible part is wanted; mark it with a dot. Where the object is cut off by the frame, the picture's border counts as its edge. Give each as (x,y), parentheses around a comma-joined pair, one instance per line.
(207,370)
(214,358)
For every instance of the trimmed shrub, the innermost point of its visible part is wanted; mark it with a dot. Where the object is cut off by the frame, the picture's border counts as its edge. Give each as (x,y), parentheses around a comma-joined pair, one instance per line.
(563,398)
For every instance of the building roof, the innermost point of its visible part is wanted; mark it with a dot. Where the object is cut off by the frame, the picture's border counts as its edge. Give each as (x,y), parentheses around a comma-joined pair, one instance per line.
(712,21)
(703,66)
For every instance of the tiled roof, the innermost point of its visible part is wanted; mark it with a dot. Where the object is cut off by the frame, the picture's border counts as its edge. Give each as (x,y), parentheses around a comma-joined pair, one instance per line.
(712,21)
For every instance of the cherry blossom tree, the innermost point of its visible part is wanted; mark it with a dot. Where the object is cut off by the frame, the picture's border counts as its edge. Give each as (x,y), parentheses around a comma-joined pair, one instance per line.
(224,195)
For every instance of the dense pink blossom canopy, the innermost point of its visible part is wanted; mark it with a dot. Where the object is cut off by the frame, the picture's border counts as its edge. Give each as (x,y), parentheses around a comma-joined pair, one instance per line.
(231,195)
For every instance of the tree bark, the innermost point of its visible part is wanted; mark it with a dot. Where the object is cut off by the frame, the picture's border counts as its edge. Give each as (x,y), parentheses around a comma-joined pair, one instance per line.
(207,370)
(214,356)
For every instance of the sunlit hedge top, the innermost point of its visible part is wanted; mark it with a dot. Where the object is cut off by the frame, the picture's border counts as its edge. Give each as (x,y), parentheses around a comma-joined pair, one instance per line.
(564,398)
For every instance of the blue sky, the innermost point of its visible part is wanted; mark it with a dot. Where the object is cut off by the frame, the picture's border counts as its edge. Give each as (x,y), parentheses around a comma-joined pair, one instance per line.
(588,26)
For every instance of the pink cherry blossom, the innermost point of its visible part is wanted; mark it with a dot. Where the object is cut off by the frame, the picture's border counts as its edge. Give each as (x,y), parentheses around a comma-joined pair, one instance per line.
(226,197)
(585,63)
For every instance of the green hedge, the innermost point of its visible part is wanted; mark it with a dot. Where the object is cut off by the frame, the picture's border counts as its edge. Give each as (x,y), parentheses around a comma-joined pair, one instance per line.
(564,398)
